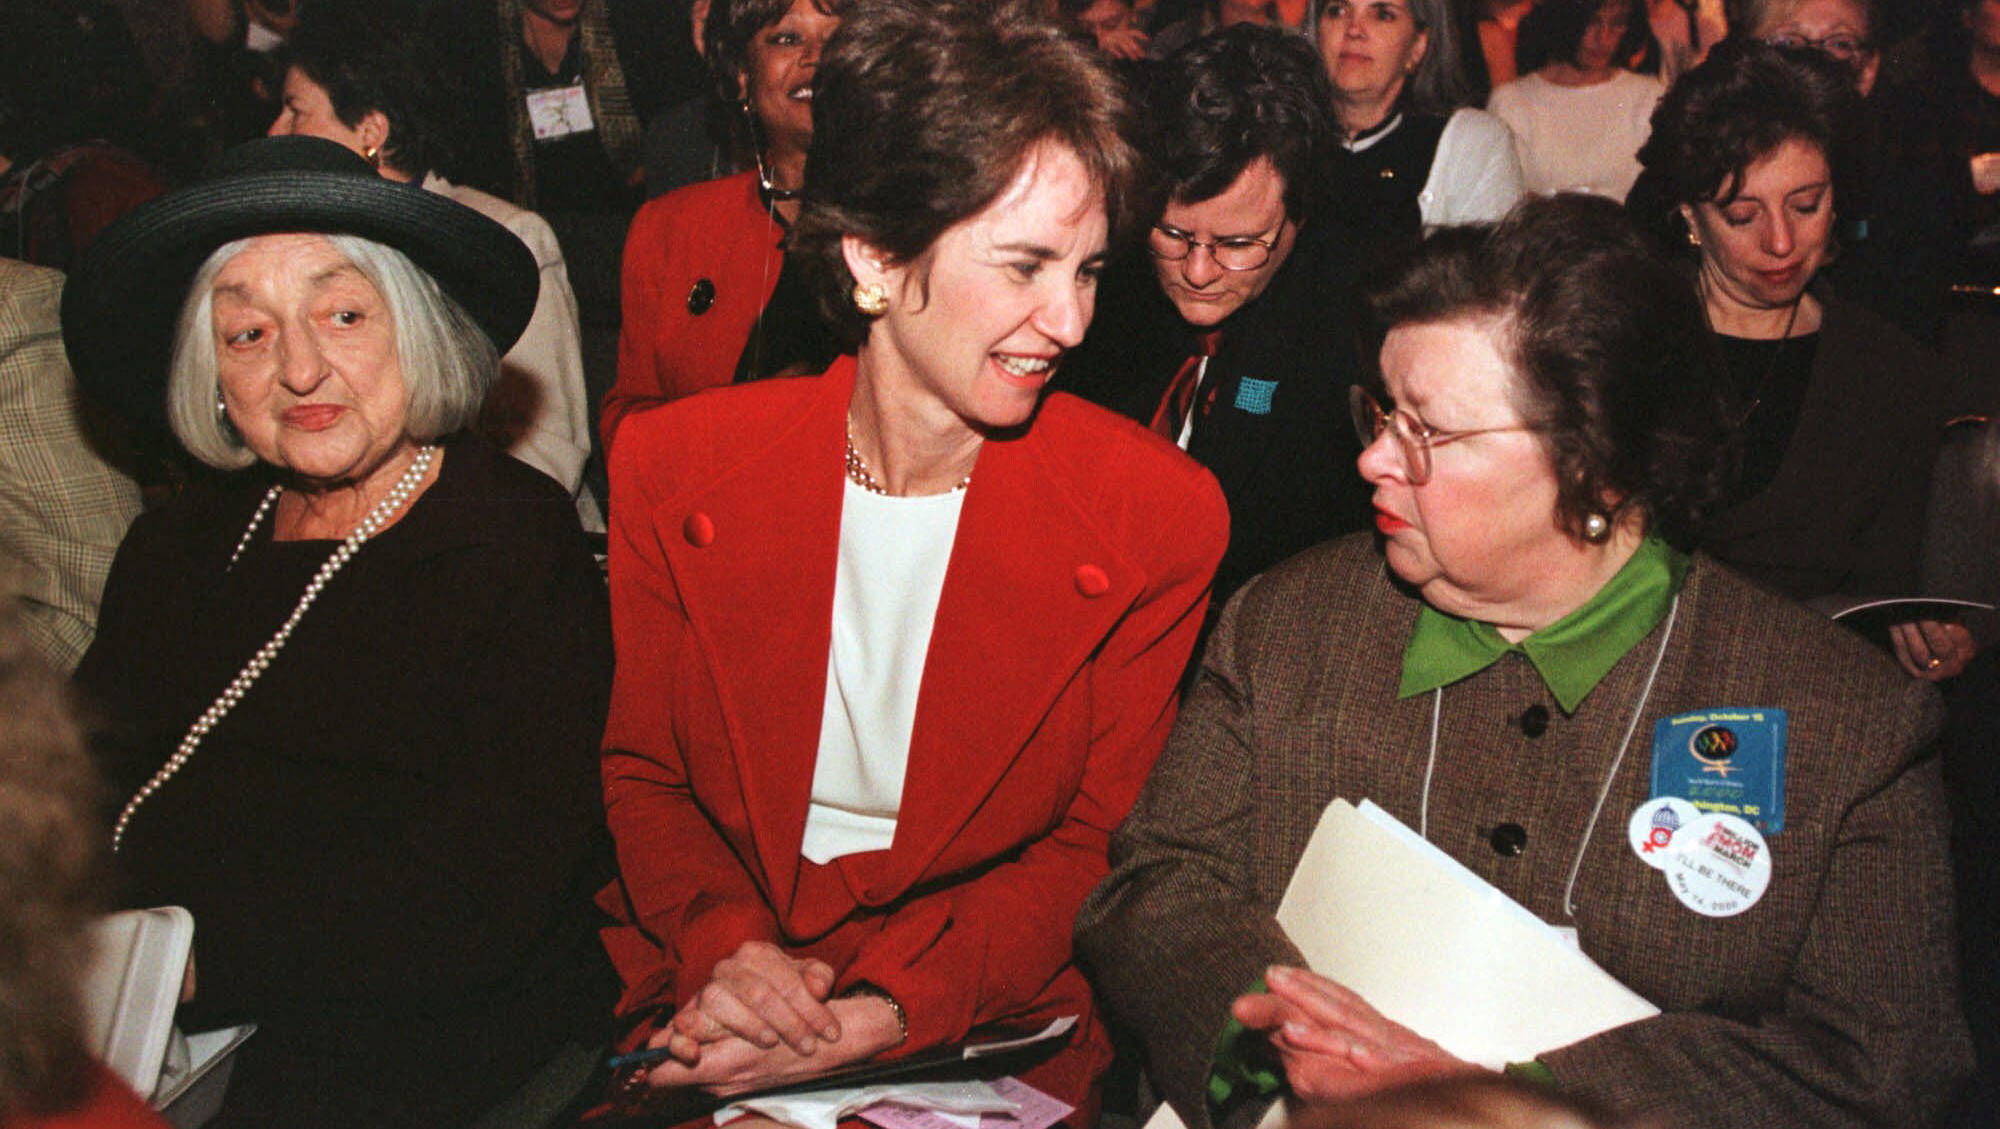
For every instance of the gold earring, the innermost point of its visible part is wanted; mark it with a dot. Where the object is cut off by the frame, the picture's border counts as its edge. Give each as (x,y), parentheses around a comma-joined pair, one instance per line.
(871,299)
(373,155)
(1694,239)
(1596,527)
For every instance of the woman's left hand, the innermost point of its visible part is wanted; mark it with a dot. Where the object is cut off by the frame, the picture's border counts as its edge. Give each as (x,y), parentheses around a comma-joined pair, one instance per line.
(734,1065)
(1931,649)
(1332,1044)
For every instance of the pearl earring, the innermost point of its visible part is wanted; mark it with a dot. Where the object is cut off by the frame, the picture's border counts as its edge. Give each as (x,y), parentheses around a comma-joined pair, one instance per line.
(1596,527)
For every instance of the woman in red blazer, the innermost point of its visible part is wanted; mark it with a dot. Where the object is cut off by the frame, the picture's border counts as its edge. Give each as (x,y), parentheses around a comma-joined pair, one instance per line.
(898,645)
(701,262)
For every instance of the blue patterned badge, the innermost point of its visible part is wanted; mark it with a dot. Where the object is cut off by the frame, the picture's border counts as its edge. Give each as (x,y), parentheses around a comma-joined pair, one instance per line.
(1254,396)
(1730,761)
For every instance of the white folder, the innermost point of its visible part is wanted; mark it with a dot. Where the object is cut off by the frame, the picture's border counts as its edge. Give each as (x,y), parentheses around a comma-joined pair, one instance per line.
(130,991)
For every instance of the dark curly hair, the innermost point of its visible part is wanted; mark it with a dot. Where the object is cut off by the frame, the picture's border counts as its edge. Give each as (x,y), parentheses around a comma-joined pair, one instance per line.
(1228,98)
(923,111)
(1743,102)
(364,68)
(1614,365)
(1553,32)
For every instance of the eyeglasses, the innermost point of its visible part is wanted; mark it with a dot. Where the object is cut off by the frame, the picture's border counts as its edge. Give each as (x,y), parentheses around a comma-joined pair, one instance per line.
(1846,47)
(1237,252)
(1414,437)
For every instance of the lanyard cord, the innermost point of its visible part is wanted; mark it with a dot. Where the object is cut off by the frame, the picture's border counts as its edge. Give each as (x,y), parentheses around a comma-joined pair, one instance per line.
(1603,793)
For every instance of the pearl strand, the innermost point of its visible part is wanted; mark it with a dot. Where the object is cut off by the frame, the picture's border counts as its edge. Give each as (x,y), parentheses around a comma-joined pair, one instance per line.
(859,474)
(254,669)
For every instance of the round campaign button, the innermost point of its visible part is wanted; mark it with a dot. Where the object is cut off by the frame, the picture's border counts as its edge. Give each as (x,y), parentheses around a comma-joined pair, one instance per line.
(1718,865)
(1653,825)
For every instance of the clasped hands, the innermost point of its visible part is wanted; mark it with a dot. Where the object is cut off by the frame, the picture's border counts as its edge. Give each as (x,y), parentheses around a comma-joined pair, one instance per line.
(764,1018)
(1332,1044)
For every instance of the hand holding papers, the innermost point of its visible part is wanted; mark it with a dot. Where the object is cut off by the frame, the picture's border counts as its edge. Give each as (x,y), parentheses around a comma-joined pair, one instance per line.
(1434,947)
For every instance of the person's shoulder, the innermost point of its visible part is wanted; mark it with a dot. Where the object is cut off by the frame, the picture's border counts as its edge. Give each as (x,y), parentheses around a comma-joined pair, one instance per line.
(26,285)
(710,427)
(30,305)
(485,203)
(1339,587)
(691,202)
(205,512)
(1472,128)
(1633,80)
(1853,322)
(493,471)
(1861,340)
(1113,448)
(529,227)
(1837,688)
(1510,94)
(1124,473)
(1351,561)
(1753,629)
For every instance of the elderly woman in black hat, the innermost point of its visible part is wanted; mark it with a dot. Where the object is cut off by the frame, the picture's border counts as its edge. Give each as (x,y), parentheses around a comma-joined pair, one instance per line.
(353,690)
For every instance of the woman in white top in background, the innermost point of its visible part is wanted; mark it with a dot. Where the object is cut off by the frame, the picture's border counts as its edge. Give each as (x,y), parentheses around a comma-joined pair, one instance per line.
(1578,115)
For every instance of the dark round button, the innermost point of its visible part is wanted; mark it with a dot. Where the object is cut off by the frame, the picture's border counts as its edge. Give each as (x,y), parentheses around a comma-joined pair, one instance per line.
(1508,839)
(1535,720)
(701,297)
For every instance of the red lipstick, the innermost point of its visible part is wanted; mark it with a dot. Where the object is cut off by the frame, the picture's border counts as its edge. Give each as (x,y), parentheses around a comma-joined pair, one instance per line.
(313,417)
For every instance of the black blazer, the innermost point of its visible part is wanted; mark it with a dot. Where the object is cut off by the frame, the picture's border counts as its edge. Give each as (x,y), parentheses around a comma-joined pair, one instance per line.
(1277,435)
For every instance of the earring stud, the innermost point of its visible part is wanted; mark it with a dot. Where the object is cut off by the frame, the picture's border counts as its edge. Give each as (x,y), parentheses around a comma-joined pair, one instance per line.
(871,299)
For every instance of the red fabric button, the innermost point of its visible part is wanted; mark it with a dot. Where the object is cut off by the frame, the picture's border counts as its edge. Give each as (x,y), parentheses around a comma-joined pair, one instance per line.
(699,530)
(1091,581)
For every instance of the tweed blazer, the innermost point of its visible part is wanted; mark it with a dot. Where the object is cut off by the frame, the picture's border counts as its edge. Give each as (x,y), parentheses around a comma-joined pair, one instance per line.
(1832,1001)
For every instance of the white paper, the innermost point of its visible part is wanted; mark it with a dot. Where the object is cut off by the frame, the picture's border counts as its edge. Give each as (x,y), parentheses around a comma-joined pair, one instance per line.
(1435,948)
(823,1109)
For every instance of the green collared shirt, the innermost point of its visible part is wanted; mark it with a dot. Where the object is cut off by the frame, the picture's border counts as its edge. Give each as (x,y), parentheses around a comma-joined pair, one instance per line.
(1572,654)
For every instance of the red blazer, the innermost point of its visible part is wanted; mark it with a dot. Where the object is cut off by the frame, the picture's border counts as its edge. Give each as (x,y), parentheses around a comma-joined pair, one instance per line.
(1076,585)
(671,343)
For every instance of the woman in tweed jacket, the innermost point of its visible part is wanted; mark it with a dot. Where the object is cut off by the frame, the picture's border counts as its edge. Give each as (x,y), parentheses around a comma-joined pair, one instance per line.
(1489,669)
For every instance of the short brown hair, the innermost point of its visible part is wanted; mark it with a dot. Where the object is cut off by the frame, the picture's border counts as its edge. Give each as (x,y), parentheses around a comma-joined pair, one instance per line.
(1614,365)
(1743,102)
(923,111)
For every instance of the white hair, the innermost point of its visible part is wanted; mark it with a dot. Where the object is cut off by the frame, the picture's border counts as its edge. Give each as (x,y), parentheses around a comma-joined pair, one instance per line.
(448,363)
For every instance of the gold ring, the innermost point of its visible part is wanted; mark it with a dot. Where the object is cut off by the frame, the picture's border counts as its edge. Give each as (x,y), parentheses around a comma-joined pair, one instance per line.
(1934,663)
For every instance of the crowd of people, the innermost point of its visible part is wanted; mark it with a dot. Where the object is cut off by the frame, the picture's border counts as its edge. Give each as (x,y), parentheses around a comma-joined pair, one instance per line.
(620,555)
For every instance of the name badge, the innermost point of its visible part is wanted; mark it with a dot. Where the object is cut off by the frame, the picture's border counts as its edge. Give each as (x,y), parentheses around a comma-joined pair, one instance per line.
(1728,761)
(558,111)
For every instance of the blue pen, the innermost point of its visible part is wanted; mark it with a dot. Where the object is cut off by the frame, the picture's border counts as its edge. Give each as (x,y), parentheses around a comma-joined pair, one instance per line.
(639,1058)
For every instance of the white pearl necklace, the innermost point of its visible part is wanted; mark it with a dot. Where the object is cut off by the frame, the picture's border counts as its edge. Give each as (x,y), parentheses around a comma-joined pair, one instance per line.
(254,669)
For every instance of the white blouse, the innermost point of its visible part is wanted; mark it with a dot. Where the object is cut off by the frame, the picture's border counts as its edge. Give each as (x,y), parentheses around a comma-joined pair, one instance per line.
(893,555)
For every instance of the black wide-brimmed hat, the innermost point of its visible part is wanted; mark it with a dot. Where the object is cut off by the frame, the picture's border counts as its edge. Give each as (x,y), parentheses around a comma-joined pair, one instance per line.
(121,303)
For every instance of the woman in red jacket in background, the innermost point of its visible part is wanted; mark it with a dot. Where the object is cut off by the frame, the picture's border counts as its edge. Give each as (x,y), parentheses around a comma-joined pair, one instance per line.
(702,262)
